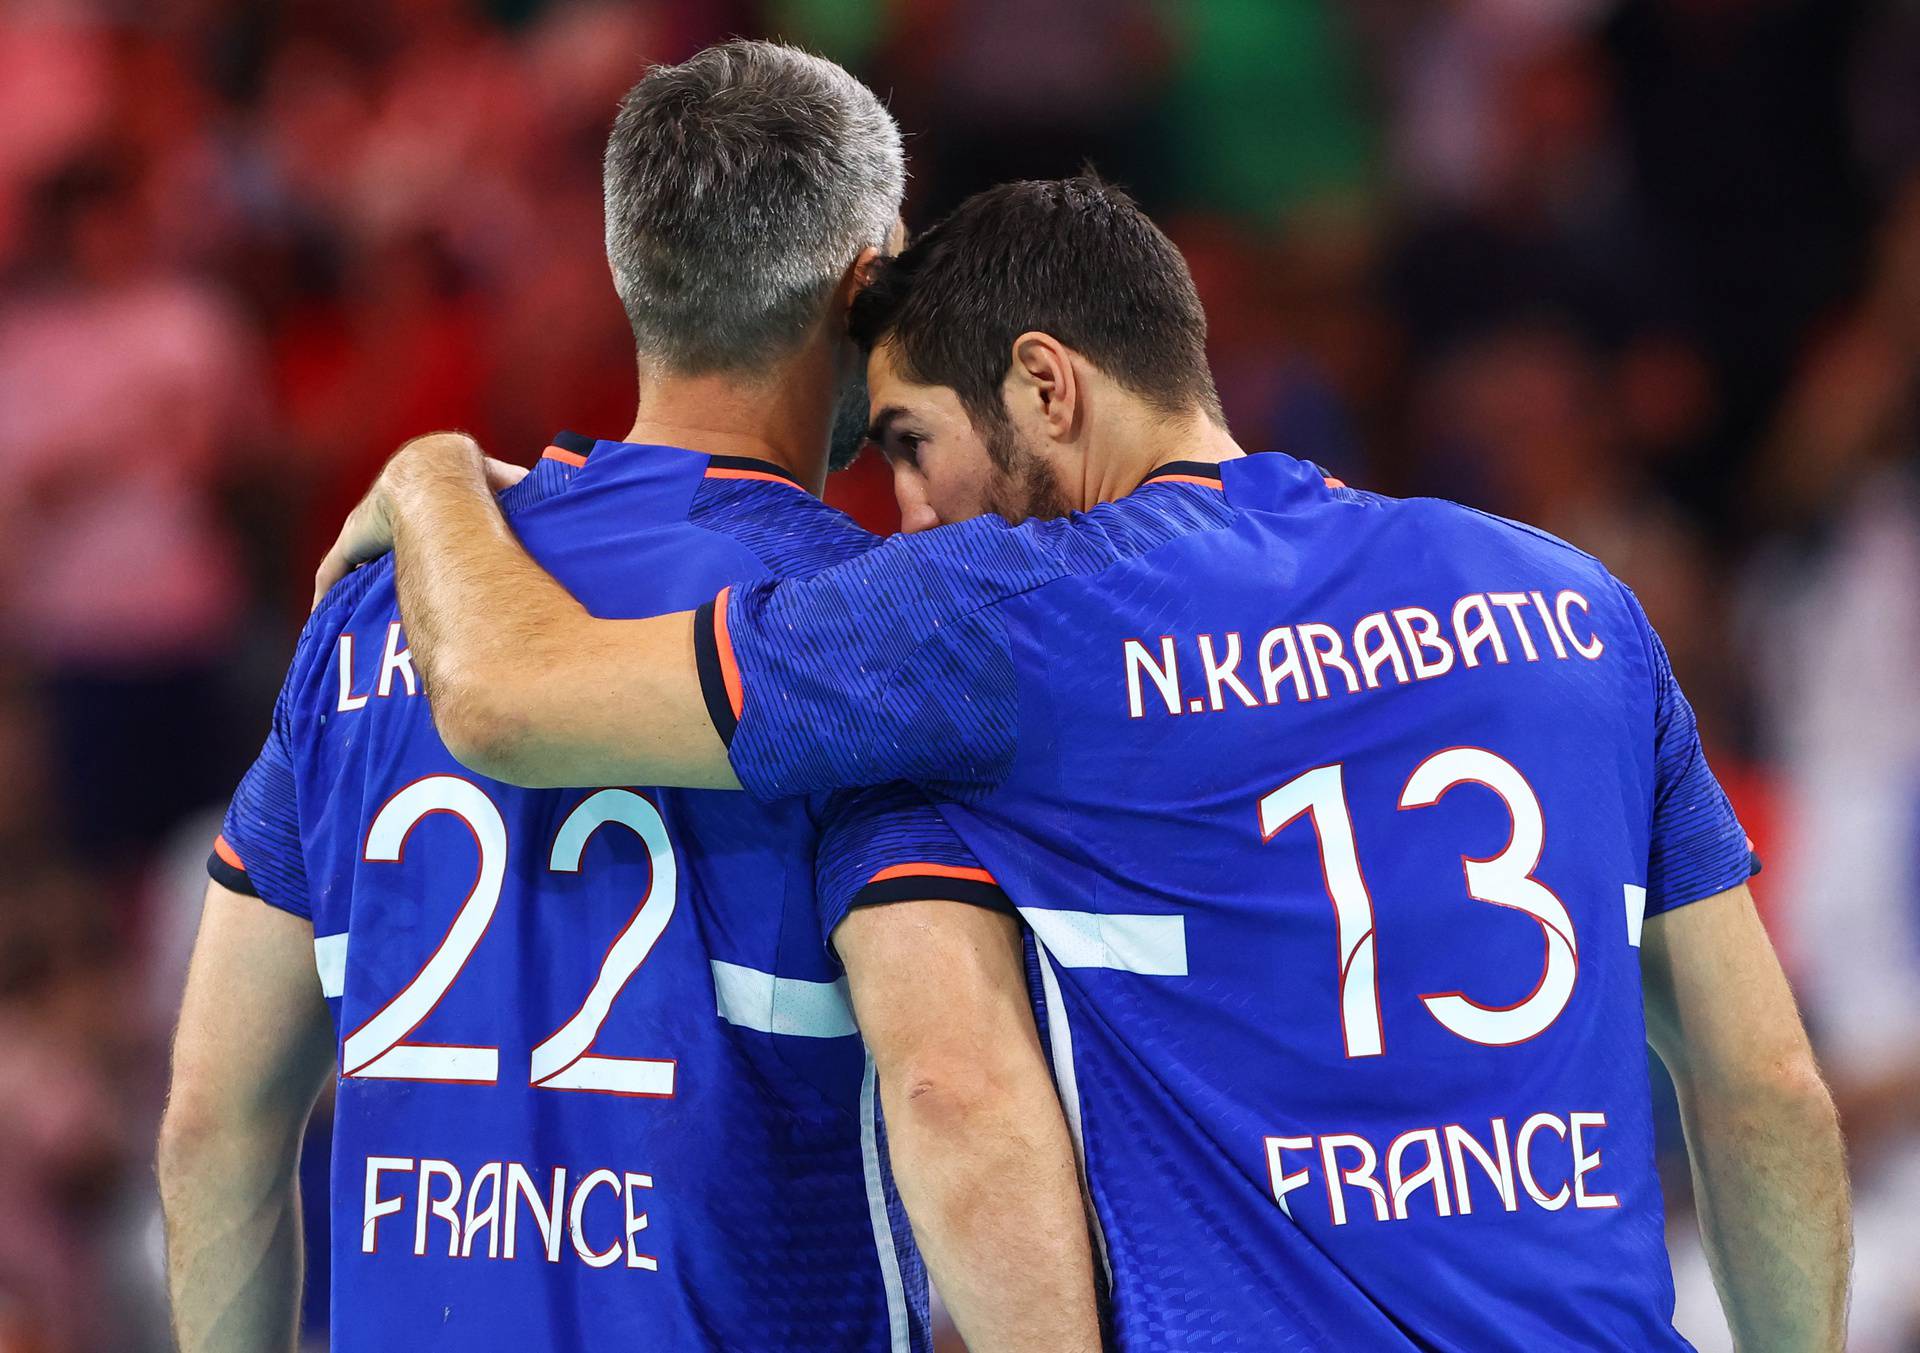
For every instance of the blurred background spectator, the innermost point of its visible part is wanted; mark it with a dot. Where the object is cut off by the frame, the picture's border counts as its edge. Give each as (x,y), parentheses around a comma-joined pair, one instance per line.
(1645,272)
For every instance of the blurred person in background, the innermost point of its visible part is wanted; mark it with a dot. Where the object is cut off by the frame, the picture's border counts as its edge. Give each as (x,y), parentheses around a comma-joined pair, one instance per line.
(126,386)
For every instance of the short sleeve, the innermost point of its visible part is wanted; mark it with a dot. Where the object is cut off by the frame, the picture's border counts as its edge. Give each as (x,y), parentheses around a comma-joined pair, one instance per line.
(1697,848)
(841,680)
(258,850)
(891,845)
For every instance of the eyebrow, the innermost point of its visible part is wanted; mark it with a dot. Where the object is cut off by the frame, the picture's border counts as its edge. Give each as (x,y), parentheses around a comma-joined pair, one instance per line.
(877,429)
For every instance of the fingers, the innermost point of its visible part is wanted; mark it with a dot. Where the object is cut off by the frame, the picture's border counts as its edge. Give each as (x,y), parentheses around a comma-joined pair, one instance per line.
(366,536)
(368,533)
(502,476)
(341,560)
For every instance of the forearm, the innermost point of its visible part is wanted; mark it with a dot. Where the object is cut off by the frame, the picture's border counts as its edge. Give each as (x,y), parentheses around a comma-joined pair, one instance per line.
(234,1253)
(1770,1183)
(989,1183)
(525,685)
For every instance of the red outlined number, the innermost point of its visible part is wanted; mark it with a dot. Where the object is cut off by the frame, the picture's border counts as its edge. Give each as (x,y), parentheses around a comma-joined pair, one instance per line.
(1321,796)
(1503,880)
(379,1049)
(563,1061)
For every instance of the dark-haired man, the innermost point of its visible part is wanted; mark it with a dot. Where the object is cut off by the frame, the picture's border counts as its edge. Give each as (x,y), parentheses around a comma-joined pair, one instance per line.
(599,1083)
(1364,843)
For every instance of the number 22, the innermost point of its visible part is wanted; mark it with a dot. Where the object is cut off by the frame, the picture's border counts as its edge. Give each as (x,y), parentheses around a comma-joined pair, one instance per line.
(379,1049)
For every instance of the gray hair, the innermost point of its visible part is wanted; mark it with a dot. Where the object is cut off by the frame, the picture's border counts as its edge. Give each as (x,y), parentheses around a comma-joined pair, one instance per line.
(739,186)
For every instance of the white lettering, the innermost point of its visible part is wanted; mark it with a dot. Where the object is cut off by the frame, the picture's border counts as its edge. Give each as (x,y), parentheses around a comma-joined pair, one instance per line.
(377,1207)
(1222,674)
(1484,631)
(1427,1176)
(1284,1183)
(447,1208)
(1511,603)
(576,1220)
(1333,655)
(489,1217)
(1522,1148)
(637,1222)
(396,659)
(1270,676)
(1360,1175)
(1165,675)
(520,1185)
(1499,1168)
(348,701)
(1593,647)
(1424,639)
(1584,1164)
(1546,623)
(1384,648)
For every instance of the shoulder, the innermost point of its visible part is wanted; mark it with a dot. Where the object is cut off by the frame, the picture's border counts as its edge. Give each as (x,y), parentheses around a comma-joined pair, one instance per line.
(785,529)
(973,565)
(1517,536)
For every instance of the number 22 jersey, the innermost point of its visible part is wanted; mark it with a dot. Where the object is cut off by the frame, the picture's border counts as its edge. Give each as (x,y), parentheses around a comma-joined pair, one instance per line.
(599,1080)
(1335,819)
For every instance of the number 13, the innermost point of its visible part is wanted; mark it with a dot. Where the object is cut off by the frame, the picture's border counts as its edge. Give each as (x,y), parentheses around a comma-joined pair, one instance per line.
(1504,880)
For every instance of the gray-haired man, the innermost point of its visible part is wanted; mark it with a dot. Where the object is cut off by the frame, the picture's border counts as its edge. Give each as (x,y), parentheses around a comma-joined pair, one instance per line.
(532,1152)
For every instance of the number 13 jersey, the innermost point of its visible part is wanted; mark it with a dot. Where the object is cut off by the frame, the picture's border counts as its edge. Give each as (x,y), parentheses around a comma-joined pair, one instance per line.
(599,1080)
(1335,820)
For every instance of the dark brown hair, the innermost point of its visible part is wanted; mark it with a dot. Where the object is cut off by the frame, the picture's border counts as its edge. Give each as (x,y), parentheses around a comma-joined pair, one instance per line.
(1073,258)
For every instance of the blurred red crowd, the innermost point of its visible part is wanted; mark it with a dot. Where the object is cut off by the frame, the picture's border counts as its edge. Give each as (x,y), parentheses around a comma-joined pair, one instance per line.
(1643,272)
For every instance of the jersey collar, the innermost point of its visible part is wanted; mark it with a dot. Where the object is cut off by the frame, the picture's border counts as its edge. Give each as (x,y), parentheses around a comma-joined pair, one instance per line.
(570,448)
(1185,472)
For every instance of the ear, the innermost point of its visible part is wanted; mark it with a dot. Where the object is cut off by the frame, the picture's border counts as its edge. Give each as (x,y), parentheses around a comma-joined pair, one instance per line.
(1043,384)
(856,279)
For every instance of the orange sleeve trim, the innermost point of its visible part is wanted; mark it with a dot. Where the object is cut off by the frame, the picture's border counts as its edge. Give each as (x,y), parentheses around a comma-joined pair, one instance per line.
(1189,479)
(1333,483)
(723,642)
(937,871)
(564,456)
(228,854)
(724,472)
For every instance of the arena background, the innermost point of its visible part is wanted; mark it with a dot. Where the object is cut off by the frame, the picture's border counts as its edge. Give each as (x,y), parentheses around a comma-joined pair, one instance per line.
(1644,273)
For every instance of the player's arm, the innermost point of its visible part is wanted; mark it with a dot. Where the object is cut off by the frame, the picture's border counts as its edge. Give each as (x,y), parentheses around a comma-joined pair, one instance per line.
(979,1143)
(526,686)
(253,1050)
(894,666)
(1769,1166)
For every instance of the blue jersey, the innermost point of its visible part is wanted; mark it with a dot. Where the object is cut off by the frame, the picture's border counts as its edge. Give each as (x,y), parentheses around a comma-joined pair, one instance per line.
(599,1080)
(1335,820)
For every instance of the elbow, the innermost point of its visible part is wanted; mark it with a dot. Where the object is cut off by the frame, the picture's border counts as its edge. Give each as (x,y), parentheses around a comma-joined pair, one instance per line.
(1786,1089)
(947,1096)
(486,725)
(1799,1092)
(192,1132)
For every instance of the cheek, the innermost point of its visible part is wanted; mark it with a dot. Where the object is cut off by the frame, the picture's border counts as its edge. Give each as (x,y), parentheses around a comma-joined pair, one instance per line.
(910,494)
(956,491)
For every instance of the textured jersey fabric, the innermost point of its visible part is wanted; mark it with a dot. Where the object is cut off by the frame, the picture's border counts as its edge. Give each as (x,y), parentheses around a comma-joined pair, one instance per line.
(1335,819)
(899,824)
(600,1082)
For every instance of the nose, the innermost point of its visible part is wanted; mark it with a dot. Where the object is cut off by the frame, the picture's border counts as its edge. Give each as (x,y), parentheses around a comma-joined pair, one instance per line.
(910,492)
